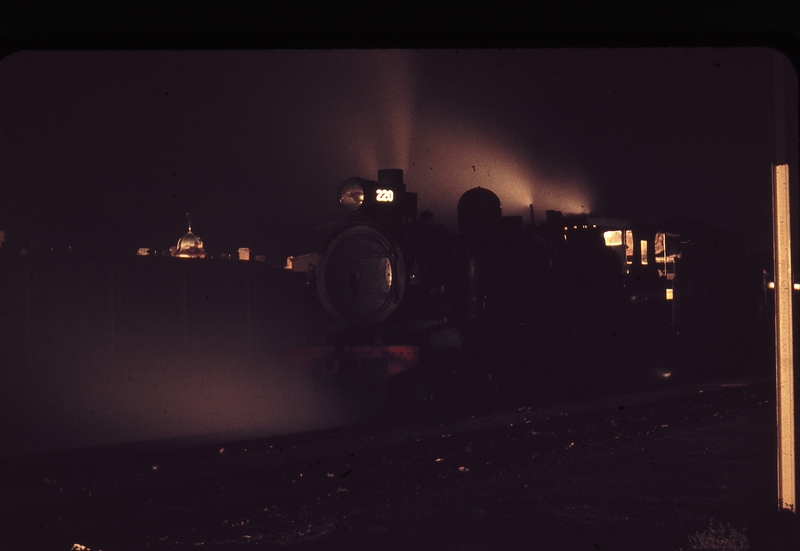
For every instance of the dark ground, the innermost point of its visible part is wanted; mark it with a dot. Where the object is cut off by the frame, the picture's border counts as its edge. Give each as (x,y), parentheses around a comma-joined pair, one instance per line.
(637,470)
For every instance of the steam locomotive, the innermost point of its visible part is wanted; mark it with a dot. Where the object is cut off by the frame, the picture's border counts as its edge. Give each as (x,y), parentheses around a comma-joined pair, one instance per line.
(397,297)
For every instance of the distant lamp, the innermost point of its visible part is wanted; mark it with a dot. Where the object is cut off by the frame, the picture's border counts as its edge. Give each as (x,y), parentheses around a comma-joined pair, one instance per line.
(795,286)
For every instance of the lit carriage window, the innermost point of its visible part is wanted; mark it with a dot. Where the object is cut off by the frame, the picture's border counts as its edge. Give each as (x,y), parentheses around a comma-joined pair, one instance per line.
(670,294)
(628,247)
(643,243)
(658,247)
(613,238)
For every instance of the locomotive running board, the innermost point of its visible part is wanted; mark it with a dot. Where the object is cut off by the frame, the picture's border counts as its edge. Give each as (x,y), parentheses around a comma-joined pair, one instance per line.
(398,358)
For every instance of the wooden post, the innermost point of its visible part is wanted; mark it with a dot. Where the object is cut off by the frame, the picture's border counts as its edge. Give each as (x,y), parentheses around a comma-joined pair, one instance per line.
(784,354)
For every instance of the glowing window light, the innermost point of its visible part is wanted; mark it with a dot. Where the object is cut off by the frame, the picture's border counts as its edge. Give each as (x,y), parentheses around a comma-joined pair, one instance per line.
(662,260)
(628,247)
(659,245)
(244,253)
(643,244)
(670,294)
(613,238)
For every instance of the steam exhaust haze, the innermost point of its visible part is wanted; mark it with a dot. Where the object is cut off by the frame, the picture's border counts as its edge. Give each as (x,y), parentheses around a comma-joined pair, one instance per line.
(165,396)
(443,153)
(141,349)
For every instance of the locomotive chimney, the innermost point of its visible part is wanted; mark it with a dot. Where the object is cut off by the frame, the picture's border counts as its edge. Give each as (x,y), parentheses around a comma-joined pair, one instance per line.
(554,218)
(392,178)
(554,222)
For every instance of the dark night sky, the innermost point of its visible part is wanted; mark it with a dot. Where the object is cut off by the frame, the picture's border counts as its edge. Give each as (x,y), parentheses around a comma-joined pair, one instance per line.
(114,147)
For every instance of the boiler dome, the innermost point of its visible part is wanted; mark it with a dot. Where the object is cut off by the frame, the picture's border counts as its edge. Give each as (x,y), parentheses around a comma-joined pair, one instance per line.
(478,211)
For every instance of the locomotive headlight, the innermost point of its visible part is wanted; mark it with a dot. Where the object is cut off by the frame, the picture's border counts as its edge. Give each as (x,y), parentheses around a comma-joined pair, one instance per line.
(351,195)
